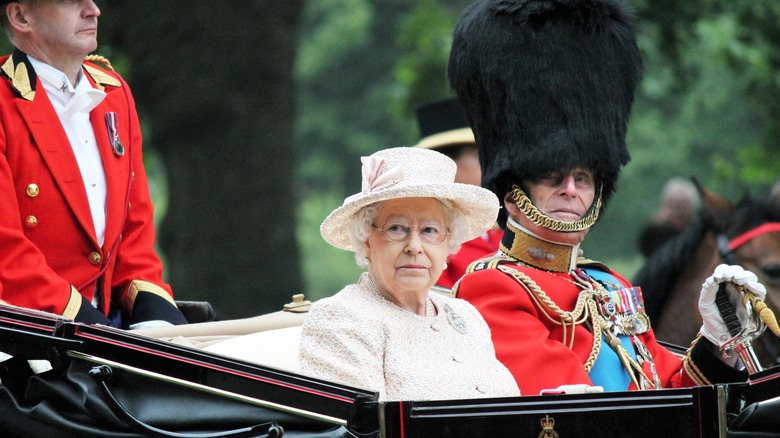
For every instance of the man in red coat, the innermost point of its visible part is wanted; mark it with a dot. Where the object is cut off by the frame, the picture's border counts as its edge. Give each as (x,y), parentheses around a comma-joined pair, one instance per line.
(548,87)
(444,128)
(76,227)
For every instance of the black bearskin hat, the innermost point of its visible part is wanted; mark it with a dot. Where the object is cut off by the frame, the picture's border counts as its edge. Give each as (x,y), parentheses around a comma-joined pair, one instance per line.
(546,85)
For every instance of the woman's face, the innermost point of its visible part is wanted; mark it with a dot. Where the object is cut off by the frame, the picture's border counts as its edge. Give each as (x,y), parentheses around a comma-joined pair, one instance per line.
(407,248)
(565,195)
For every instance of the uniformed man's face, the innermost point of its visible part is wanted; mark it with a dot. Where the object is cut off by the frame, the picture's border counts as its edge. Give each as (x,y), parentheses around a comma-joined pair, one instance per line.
(469,170)
(565,195)
(59,28)
(408,267)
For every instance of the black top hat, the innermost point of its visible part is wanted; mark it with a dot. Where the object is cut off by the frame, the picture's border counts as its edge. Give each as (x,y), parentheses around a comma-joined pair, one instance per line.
(547,85)
(443,123)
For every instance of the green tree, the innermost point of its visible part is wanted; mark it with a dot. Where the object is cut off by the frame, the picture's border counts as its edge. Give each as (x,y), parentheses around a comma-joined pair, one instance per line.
(214,83)
(345,75)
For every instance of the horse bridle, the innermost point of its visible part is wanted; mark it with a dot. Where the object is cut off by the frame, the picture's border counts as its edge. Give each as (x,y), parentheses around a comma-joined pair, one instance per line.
(726,246)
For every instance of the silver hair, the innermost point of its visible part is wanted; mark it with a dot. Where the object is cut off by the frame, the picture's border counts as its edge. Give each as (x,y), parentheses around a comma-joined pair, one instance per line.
(360,228)
(680,187)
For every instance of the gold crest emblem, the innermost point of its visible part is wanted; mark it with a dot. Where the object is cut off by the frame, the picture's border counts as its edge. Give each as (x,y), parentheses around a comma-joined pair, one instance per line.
(548,428)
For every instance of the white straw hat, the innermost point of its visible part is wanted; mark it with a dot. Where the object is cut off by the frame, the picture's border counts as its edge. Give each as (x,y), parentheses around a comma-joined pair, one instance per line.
(407,172)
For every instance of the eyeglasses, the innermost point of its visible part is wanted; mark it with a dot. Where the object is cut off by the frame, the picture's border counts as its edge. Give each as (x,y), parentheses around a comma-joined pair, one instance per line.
(431,233)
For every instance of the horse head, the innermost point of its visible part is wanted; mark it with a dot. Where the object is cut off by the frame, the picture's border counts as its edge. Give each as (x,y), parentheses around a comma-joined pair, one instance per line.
(745,234)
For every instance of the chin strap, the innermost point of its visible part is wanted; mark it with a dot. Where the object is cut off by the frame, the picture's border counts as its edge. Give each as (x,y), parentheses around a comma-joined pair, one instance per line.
(525,205)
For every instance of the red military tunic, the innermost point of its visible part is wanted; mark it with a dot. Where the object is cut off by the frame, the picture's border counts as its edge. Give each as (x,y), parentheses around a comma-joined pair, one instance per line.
(50,255)
(475,249)
(530,341)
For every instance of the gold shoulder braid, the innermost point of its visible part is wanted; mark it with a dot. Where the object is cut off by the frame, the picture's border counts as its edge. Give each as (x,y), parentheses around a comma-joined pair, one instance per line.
(101,59)
(100,77)
(478,265)
(488,263)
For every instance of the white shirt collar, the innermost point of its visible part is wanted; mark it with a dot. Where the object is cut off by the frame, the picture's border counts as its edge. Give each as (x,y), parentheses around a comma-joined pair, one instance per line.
(52,77)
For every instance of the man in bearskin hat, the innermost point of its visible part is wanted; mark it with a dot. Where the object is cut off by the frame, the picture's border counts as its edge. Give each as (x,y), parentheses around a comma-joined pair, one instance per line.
(548,86)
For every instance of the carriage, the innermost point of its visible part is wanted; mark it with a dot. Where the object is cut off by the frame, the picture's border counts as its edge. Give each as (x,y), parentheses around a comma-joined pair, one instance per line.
(105,382)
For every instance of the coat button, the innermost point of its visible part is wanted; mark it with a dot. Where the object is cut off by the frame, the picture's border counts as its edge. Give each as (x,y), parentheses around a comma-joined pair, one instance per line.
(33,190)
(95,258)
(31,221)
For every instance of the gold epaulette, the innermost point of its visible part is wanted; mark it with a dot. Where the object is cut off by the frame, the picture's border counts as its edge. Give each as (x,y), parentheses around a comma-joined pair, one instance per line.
(478,265)
(487,263)
(101,59)
(101,77)
(585,263)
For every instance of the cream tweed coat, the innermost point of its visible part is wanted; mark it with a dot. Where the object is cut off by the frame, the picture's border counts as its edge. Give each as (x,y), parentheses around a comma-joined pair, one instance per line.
(359,338)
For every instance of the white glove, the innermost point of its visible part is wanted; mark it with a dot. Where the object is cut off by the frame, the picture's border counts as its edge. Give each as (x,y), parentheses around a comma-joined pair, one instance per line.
(713,328)
(580,388)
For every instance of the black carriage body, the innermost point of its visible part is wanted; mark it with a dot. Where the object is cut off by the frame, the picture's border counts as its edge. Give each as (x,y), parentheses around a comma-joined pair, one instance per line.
(690,412)
(190,392)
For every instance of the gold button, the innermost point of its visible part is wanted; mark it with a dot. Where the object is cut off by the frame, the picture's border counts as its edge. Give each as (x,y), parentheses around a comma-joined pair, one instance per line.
(31,221)
(33,190)
(95,258)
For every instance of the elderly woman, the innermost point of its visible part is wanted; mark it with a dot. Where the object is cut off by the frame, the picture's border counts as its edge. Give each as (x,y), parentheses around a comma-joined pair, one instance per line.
(389,332)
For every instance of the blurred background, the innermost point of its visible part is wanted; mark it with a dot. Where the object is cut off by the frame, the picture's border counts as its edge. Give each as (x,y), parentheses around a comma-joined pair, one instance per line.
(255,114)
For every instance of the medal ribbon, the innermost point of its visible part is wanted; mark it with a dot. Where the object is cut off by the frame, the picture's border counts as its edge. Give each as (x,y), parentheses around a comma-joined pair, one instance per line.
(112,123)
(623,307)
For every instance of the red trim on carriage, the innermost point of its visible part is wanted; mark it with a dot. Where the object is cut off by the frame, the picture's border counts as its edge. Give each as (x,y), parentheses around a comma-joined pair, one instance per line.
(212,366)
(401,426)
(771,227)
(26,324)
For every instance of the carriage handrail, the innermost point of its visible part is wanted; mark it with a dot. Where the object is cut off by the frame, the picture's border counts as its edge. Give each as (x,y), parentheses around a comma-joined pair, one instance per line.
(208,389)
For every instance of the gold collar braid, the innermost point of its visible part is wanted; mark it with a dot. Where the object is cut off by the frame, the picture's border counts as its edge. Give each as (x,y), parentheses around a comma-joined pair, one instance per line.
(525,205)
(532,250)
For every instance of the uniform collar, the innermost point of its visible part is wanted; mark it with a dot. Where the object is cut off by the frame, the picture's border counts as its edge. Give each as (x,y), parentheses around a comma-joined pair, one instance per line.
(21,73)
(51,75)
(23,77)
(527,247)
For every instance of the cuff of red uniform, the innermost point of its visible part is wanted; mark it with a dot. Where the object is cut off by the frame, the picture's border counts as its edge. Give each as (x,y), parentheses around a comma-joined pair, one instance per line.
(88,314)
(148,306)
(703,364)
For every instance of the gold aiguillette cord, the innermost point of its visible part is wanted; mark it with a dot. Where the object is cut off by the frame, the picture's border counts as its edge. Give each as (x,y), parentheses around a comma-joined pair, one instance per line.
(628,363)
(761,310)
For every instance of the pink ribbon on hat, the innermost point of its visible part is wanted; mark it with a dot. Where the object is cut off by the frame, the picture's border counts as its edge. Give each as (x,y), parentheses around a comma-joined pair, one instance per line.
(372,168)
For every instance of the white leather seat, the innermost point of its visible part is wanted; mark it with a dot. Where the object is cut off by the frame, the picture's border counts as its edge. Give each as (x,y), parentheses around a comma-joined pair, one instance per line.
(276,348)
